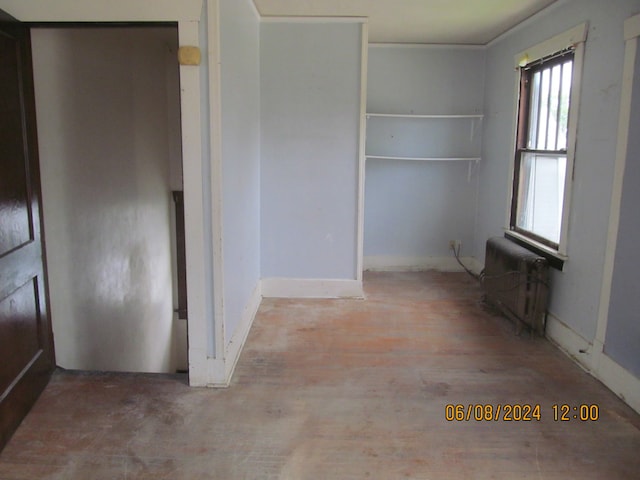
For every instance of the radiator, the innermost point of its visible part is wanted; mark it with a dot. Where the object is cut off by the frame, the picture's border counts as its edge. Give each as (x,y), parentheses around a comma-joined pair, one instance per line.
(516,281)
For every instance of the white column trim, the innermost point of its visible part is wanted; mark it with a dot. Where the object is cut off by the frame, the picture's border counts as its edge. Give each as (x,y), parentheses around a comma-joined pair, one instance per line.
(361,151)
(616,196)
(215,135)
(190,99)
(632,27)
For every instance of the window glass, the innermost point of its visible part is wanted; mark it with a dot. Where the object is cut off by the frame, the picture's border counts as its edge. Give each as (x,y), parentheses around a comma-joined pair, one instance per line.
(541,157)
(542,178)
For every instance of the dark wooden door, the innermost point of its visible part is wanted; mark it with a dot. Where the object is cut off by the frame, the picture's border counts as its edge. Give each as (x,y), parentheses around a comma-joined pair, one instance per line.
(26,341)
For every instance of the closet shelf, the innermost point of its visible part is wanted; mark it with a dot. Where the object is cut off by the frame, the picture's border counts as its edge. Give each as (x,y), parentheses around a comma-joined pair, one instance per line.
(473,119)
(426,159)
(411,115)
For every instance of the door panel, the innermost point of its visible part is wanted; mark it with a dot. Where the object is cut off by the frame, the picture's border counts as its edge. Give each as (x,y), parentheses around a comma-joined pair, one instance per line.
(18,332)
(26,341)
(14,192)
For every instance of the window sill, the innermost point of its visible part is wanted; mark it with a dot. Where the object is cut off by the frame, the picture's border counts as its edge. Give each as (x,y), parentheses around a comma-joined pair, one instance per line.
(556,260)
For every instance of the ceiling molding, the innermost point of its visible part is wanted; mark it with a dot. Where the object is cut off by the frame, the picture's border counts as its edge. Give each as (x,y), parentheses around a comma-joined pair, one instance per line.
(444,46)
(454,22)
(103,11)
(525,23)
(297,19)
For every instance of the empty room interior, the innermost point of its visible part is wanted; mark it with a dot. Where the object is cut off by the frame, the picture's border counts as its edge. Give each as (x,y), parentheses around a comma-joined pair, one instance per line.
(272,239)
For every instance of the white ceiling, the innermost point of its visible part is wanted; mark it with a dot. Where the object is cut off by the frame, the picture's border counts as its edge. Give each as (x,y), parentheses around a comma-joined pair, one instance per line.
(471,22)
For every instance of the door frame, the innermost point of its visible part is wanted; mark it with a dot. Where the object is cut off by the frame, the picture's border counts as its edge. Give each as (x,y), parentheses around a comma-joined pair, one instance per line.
(201,160)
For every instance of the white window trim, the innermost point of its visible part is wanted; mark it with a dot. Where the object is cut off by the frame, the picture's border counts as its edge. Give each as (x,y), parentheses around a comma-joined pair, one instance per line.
(575,38)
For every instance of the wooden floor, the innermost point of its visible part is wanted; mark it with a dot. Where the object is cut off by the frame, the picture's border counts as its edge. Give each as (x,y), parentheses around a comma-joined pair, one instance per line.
(341,389)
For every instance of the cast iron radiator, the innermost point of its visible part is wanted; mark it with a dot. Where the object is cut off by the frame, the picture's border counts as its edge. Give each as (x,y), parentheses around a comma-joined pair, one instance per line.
(516,281)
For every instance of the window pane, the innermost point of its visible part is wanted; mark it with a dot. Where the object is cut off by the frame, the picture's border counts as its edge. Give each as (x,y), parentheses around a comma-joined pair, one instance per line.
(565,96)
(534,107)
(541,194)
(549,96)
(554,110)
(544,110)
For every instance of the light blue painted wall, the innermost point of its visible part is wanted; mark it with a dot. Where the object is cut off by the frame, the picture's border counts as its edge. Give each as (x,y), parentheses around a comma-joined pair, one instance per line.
(240,84)
(310,97)
(623,328)
(413,209)
(425,79)
(576,291)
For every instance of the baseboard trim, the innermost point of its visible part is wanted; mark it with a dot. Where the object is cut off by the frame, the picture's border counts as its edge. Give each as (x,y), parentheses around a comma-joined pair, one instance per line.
(619,380)
(593,360)
(311,288)
(390,263)
(572,344)
(237,341)
(199,368)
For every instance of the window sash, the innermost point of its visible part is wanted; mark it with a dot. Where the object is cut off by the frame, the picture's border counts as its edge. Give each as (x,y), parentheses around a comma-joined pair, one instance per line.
(548,90)
(543,128)
(529,206)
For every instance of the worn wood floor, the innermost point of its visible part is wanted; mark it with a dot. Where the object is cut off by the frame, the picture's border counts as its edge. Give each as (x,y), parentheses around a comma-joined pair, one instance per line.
(341,389)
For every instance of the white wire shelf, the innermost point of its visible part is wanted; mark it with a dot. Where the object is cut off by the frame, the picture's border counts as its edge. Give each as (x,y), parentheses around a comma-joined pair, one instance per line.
(411,115)
(425,159)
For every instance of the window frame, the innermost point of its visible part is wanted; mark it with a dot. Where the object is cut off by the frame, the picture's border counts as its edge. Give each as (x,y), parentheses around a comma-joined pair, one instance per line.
(523,131)
(573,39)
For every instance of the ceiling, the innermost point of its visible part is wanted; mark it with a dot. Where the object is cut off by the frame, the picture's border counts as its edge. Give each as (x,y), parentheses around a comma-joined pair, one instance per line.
(469,22)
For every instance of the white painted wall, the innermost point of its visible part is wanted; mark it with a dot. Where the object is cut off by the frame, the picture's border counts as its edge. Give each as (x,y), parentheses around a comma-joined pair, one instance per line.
(240,87)
(576,290)
(413,208)
(623,326)
(310,116)
(104,138)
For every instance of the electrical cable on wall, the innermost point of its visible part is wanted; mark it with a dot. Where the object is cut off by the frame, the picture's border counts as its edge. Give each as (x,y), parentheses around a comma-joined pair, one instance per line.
(456,253)
(481,277)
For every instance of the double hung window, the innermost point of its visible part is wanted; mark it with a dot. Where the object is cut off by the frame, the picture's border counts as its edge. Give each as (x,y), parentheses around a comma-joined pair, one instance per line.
(545,134)
(541,155)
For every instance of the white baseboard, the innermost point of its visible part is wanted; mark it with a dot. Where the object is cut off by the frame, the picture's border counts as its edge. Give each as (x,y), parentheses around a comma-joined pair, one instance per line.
(590,357)
(237,341)
(571,343)
(311,288)
(199,375)
(387,263)
(621,382)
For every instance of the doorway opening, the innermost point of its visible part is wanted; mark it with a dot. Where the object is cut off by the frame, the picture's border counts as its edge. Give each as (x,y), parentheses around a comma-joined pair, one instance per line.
(108,113)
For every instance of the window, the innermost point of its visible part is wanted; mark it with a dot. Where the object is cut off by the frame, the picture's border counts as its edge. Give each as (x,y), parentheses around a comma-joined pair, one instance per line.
(548,92)
(541,155)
